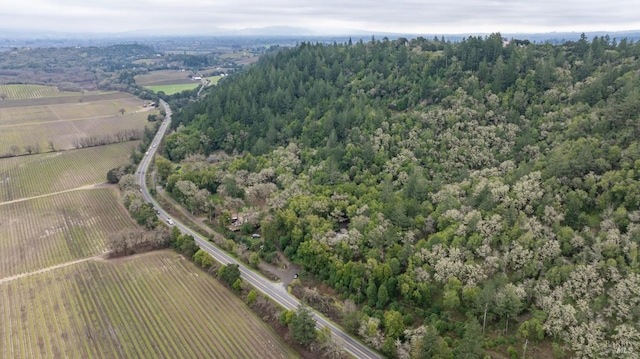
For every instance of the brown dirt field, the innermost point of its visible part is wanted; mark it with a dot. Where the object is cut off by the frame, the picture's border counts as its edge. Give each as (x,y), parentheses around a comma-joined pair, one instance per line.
(163,77)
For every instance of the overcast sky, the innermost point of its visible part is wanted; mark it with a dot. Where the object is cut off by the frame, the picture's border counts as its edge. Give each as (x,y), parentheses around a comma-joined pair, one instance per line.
(401,16)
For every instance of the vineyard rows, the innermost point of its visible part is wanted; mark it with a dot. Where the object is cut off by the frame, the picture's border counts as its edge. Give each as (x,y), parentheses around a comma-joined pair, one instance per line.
(69,99)
(46,231)
(64,134)
(32,91)
(26,114)
(96,108)
(156,306)
(28,176)
(67,111)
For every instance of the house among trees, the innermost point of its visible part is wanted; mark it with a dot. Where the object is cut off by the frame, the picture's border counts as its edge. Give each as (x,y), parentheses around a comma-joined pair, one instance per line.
(236,223)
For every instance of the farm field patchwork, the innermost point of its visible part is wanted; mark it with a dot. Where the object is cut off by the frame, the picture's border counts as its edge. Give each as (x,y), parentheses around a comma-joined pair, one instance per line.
(46,231)
(155,306)
(57,298)
(34,175)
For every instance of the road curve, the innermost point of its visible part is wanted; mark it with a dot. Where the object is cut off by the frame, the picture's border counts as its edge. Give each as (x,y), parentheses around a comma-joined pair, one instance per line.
(277,292)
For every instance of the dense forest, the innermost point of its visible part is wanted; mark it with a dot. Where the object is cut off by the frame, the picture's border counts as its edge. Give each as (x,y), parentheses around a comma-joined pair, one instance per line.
(464,199)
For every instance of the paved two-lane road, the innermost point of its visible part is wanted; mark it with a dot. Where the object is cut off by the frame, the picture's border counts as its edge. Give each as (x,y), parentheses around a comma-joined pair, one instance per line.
(275,291)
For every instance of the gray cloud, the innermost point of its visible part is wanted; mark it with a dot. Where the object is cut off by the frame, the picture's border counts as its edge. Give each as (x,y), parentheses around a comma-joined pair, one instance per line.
(439,16)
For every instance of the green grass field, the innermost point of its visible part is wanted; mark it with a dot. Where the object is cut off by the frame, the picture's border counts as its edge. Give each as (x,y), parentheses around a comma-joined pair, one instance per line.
(171,89)
(155,306)
(34,175)
(46,231)
(214,79)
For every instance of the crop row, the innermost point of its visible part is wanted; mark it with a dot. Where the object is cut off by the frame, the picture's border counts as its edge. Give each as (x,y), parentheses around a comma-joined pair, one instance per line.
(31,91)
(28,176)
(51,230)
(156,306)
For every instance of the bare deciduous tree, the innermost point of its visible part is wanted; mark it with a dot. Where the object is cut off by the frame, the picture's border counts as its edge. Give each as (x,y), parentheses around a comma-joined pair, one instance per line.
(120,242)
(128,183)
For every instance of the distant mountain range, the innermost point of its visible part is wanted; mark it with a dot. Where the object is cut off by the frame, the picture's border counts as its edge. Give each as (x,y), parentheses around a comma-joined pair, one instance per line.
(296,32)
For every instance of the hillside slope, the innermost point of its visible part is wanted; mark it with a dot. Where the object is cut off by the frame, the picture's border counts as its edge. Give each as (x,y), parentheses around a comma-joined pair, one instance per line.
(476,182)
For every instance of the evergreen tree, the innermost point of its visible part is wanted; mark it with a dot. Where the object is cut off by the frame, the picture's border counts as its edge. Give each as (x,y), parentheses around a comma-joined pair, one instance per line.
(303,326)
(383,296)
(229,273)
(470,345)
